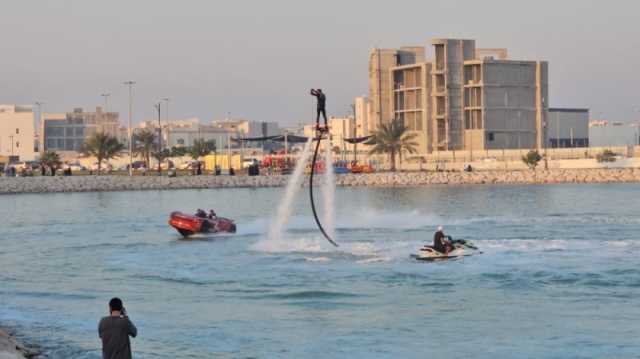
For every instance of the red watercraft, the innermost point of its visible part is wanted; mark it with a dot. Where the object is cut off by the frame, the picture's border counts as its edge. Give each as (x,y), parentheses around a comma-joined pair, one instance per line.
(188,224)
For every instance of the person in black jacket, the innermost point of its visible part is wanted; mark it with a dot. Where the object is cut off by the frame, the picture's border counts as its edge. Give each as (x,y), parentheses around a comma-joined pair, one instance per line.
(114,331)
(441,242)
(322,101)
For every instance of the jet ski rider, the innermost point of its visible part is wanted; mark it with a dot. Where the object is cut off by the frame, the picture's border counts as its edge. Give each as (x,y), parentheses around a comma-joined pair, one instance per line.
(441,242)
(201,214)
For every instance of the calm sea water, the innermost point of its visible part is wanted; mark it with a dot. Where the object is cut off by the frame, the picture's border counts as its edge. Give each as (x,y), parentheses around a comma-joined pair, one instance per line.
(559,276)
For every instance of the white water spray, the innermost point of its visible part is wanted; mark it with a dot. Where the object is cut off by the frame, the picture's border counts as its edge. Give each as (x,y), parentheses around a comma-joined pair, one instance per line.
(328,191)
(284,210)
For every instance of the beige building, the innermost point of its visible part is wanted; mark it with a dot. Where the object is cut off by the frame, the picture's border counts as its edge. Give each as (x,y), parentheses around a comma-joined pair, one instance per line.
(17,136)
(380,82)
(67,132)
(412,100)
(466,98)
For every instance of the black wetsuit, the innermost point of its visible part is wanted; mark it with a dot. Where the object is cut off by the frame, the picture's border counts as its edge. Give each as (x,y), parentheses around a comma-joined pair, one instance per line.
(439,242)
(322,101)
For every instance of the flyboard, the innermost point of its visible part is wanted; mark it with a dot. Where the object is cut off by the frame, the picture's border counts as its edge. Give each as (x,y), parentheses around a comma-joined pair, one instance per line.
(320,132)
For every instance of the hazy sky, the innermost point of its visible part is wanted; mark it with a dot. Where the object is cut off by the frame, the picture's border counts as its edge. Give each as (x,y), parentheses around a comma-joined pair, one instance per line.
(257,59)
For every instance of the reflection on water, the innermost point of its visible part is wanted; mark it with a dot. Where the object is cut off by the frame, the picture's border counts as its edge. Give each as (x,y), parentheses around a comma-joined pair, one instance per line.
(552,256)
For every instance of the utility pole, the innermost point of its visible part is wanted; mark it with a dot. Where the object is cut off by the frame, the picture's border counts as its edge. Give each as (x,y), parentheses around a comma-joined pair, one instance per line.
(129,133)
(158,107)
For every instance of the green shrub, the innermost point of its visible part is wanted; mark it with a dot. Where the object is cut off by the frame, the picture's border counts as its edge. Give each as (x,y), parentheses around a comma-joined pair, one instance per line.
(606,156)
(531,159)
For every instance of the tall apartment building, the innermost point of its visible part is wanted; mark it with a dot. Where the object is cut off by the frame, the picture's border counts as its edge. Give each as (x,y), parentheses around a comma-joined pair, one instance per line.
(465,98)
(17,132)
(68,131)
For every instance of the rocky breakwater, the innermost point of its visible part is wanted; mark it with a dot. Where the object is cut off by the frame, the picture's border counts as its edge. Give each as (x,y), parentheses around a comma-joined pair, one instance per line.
(384,179)
(136,183)
(491,177)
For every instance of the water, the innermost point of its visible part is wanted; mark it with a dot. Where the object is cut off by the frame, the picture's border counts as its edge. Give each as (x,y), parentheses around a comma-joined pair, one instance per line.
(293,187)
(559,276)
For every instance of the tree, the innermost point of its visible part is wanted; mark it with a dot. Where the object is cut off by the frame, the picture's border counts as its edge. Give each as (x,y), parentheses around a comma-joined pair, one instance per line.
(51,159)
(178,151)
(531,159)
(201,148)
(103,147)
(162,155)
(145,142)
(393,139)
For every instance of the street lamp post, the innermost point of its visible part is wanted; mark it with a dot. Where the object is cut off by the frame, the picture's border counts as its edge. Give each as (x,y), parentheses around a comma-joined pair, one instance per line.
(129,133)
(158,107)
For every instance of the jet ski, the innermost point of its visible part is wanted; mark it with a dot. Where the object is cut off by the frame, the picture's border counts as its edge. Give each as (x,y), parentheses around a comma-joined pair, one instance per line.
(461,248)
(188,224)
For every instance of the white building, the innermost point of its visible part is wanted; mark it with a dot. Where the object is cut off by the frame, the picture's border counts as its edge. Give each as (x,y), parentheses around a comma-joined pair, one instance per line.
(339,129)
(362,107)
(17,136)
(246,128)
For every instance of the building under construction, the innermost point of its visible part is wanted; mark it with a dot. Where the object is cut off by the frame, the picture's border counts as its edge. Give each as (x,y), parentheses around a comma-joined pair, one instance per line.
(465,98)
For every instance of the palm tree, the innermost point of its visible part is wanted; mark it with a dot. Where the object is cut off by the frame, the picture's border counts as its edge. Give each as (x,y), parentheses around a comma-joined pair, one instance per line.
(201,148)
(51,159)
(103,146)
(392,138)
(144,144)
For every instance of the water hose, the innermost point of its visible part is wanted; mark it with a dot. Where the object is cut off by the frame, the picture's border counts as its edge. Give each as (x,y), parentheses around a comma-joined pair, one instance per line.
(313,205)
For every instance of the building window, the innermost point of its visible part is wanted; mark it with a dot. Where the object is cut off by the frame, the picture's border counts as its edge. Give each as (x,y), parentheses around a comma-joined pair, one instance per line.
(491,137)
(17,131)
(18,144)
(181,141)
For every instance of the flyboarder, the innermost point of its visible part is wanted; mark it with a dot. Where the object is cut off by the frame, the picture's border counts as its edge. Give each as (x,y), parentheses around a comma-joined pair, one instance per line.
(322,101)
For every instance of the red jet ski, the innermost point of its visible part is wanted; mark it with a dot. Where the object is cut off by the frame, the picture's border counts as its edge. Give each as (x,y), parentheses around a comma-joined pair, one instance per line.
(188,224)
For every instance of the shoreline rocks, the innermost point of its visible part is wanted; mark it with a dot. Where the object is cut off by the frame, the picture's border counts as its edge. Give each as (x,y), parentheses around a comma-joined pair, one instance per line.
(15,185)
(10,348)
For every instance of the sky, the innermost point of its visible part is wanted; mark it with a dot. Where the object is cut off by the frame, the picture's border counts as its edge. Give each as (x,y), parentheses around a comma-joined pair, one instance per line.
(257,59)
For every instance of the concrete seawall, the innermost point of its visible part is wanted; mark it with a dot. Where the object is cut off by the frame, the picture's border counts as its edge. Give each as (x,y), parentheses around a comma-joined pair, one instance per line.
(387,179)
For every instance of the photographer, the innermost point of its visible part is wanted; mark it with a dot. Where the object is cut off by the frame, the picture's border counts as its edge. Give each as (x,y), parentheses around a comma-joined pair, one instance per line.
(114,330)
